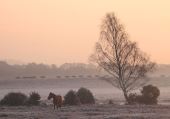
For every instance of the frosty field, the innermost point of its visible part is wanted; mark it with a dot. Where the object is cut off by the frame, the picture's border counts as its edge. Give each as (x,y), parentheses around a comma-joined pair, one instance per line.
(87,112)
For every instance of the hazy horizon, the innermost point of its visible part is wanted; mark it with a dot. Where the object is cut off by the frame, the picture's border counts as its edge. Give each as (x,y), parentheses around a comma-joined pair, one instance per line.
(57,32)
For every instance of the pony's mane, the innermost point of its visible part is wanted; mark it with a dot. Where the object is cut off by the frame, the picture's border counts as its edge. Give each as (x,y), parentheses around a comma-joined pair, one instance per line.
(52,93)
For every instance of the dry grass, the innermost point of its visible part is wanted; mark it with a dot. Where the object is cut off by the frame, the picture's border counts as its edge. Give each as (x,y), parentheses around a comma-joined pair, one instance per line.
(87,112)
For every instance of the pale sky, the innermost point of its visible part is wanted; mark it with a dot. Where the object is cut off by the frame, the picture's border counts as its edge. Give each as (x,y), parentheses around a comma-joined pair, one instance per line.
(59,31)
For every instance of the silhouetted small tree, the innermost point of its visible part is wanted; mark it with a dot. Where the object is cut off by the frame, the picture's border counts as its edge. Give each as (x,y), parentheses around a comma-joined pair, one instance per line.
(34,98)
(71,98)
(85,96)
(14,99)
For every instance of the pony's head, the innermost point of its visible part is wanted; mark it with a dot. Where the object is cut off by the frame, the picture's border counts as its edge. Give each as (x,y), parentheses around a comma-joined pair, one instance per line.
(50,95)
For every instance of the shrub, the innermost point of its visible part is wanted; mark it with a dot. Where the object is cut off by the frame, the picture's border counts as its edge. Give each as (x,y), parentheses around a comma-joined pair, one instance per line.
(14,99)
(150,94)
(85,96)
(71,98)
(34,99)
(134,98)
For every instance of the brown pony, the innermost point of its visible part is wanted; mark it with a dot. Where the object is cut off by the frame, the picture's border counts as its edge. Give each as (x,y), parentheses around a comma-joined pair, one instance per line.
(57,100)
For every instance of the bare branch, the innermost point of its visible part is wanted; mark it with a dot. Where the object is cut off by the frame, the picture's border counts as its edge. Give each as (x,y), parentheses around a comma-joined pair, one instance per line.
(120,57)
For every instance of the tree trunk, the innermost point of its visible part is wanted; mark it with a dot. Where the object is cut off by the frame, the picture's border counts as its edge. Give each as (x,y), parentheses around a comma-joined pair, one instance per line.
(126,96)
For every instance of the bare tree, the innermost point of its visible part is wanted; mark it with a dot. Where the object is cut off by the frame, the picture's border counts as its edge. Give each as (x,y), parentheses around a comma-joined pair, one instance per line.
(120,57)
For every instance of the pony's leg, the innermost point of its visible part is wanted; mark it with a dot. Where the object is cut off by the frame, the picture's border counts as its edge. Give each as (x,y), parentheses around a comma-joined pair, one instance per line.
(54,107)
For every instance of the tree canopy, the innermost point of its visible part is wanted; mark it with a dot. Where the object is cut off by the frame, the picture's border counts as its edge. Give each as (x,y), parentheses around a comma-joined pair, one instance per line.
(120,57)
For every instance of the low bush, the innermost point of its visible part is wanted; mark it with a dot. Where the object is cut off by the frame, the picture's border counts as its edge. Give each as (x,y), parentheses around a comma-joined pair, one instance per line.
(134,98)
(85,96)
(149,96)
(71,98)
(14,99)
(34,99)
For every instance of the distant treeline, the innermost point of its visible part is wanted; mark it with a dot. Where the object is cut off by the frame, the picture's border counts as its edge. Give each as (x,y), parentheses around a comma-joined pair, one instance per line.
(33,69)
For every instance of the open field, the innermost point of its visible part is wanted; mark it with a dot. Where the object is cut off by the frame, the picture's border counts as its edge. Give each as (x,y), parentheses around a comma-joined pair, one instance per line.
(87,112)
(101,89)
